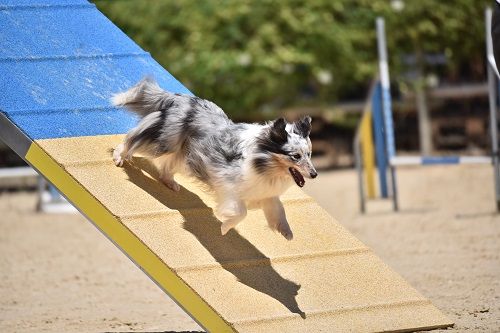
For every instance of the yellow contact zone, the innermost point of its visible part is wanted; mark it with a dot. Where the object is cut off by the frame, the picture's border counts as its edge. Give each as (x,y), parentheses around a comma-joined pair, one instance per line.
(367,152)
(127,241)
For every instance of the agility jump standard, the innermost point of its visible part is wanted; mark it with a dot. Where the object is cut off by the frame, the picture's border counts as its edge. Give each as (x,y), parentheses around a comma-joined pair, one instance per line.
(385,148)
(61,60)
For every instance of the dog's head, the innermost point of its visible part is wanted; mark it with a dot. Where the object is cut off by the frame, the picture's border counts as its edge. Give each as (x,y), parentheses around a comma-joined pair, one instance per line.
(287,149)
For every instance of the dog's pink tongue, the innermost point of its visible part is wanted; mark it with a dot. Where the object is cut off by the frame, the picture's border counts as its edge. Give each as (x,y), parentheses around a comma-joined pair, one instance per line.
(297,177)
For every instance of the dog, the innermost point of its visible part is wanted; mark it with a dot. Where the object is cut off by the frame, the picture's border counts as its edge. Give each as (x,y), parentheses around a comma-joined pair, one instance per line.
(245,165)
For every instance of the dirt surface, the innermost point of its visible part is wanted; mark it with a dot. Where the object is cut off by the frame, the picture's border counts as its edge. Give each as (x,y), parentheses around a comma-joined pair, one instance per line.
(58,273)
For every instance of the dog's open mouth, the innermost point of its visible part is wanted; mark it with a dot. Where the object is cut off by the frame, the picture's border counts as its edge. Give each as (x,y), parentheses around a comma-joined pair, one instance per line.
(297,176)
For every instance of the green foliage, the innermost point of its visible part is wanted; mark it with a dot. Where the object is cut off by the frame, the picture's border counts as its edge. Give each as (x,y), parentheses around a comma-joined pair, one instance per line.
(252,57)
(455,29)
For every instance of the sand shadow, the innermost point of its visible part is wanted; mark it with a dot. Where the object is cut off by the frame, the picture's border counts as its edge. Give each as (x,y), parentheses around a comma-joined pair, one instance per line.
(224,249)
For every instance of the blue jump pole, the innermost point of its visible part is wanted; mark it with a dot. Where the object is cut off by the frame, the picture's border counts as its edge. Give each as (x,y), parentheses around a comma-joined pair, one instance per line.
(386,105)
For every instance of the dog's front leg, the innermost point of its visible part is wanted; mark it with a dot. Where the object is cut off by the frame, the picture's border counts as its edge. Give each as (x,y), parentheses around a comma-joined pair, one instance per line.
(230,212)
(276,218)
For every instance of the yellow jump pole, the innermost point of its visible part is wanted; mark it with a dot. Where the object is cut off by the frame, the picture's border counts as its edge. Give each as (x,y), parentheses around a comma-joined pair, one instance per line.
(367,151)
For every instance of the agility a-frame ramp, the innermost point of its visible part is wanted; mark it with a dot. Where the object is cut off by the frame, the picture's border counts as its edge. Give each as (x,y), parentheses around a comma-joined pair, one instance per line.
(60,61)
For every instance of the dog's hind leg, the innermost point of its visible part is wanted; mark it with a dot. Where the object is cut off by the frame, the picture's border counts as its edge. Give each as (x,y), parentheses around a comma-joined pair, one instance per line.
(230,212)
(275,216)
(120,154)
(168,179)
(123,152)
(166,174)
(141,138)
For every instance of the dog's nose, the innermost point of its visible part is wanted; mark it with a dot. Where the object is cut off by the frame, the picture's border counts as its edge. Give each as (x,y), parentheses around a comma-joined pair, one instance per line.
(314,174)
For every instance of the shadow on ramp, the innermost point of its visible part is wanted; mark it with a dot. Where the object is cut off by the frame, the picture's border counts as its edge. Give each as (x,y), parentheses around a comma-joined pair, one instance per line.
(226,250)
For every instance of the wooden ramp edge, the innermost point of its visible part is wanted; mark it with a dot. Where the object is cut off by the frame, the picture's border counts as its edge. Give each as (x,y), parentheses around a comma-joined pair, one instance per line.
(250,280)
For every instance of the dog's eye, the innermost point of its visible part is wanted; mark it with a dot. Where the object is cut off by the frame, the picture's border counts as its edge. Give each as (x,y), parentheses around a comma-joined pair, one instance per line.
(296,156)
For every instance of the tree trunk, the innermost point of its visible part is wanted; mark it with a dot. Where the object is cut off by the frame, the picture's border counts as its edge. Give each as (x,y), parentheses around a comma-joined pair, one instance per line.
(424,121)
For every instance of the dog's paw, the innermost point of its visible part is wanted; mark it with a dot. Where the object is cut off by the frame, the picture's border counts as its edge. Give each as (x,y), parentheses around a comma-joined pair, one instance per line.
(285,231)
(118,160)
(225,227)
(174,186)
(117,155)
(171,184)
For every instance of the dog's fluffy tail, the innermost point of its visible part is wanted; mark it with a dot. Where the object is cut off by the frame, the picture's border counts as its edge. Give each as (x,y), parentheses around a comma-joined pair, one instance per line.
(143,98)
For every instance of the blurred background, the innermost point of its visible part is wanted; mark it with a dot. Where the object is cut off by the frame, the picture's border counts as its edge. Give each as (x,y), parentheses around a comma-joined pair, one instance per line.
(263,59)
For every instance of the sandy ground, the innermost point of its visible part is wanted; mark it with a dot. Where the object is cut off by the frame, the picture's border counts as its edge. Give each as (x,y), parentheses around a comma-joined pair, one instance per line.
(58,273)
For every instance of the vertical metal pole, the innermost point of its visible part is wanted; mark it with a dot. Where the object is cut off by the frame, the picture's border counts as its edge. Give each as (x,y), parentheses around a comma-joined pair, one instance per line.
(378,129)
(492,82)
(386,104)
(359,169)
(40,189)
(394,189)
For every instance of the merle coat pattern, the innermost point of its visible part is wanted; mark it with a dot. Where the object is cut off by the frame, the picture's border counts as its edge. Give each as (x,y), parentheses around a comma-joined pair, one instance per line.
(245,165)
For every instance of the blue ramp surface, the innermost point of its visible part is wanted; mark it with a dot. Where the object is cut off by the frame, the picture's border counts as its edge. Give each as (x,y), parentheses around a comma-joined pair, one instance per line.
(61,61)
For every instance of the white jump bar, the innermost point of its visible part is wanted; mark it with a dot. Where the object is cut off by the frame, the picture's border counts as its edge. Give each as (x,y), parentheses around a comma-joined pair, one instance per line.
(17,172)
(436,160)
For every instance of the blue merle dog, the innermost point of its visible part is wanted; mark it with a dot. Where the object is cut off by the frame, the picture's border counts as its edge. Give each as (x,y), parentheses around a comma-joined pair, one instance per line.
(244,165)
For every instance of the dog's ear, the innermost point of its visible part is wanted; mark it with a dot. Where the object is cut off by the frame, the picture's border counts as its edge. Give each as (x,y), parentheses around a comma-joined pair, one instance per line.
(303,126)
(278,131)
